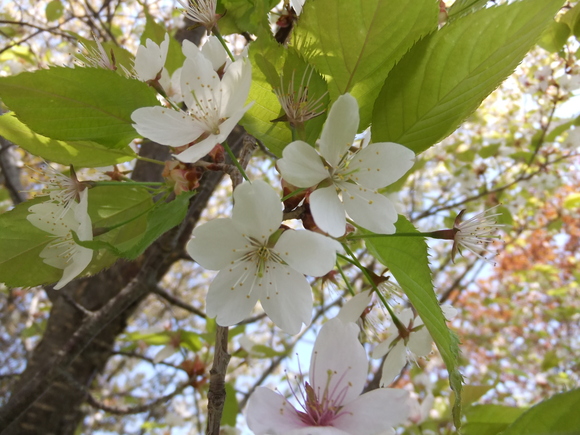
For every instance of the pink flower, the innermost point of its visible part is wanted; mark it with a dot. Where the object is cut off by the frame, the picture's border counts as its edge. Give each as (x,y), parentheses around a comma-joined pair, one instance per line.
(331,402)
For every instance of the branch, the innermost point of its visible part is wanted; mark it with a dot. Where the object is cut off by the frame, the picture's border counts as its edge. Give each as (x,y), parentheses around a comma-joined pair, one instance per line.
(10,172)
(122,410)
(176,301)
(216,396)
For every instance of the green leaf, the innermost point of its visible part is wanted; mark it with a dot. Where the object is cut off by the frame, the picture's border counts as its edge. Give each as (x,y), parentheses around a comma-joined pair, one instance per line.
(81,154)
(77,104)
(572,19)
(20,246)
(159,220)
(407,260)
(247,16)
(447,75)
(557,415)
(572,201)
(231,407)
(465,7)
(54,10)
(489,419)
(156,33)
(354,44)
(555,36)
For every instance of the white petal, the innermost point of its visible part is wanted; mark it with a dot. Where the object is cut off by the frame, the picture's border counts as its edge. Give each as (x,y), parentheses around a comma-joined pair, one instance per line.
(337,350)
(53,218)
(166,126)
(197,150)
(235,87)
(150,59)
(77,263)
(369,209)
(449,311)
(339,129)
(381,164)
(229,124)
(354,307)
(301,166)
(200,85)
(327,211)
(257,210)
(231,295)
(269,413)
(84,229)
(317,430)
(214,51)
(383,347)
(394,363)
(420,342)
(287,297)
(165,353)
(216,244)
(308,252)
(375,412)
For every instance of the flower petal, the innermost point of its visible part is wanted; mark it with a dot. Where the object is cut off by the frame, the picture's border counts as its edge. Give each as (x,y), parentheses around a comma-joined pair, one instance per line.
(286,297)
(420,342)
(150,59)
(339,129)
(166,126)
(216,244)
(381,164)
(269,413)
(53,218)
(229,124)
(394,363)
(232,294)
(354,307)
(235,86)
(200,85)
(337,350)
(213,50)
(327,211)
(308,252)
(197,150)
(301,166)
(375,412)
(369,209)
(257,210)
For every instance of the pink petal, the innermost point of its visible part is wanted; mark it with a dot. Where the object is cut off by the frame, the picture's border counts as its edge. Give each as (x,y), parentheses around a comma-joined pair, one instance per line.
(270,413)
(375,412)
(337,350)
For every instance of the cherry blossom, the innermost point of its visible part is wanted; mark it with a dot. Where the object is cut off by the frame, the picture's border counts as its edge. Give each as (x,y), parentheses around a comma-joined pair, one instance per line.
(331,402)
(343,181)
(201,11)
(60,221)
(409,341)
(150,60)
(214,107)
(259,261)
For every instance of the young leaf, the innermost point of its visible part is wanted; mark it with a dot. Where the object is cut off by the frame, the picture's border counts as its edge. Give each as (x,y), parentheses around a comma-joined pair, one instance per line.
(159,220)
(407,260)
(358,42)
(81,154)
(556,415)
(489,419)
(77,104)
(447,75)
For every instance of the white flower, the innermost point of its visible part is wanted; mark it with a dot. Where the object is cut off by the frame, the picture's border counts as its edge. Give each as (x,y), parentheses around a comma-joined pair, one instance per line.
(297,6)
(346,182)
(150,59)
(214,107)
(63,252)
(411,342)
(171,85)
(333,403)
(295,103)
(475,234)
(255,266)
(62,189)
(569,83)
(201,11)
(98,57)
(212,50)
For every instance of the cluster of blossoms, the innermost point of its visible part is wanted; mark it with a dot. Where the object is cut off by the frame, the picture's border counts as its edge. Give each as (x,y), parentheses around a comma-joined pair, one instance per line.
(259,259)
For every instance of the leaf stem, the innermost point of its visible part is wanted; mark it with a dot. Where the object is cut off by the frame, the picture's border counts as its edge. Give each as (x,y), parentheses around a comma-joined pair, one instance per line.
(235,160)
(146,159)
(219,36)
